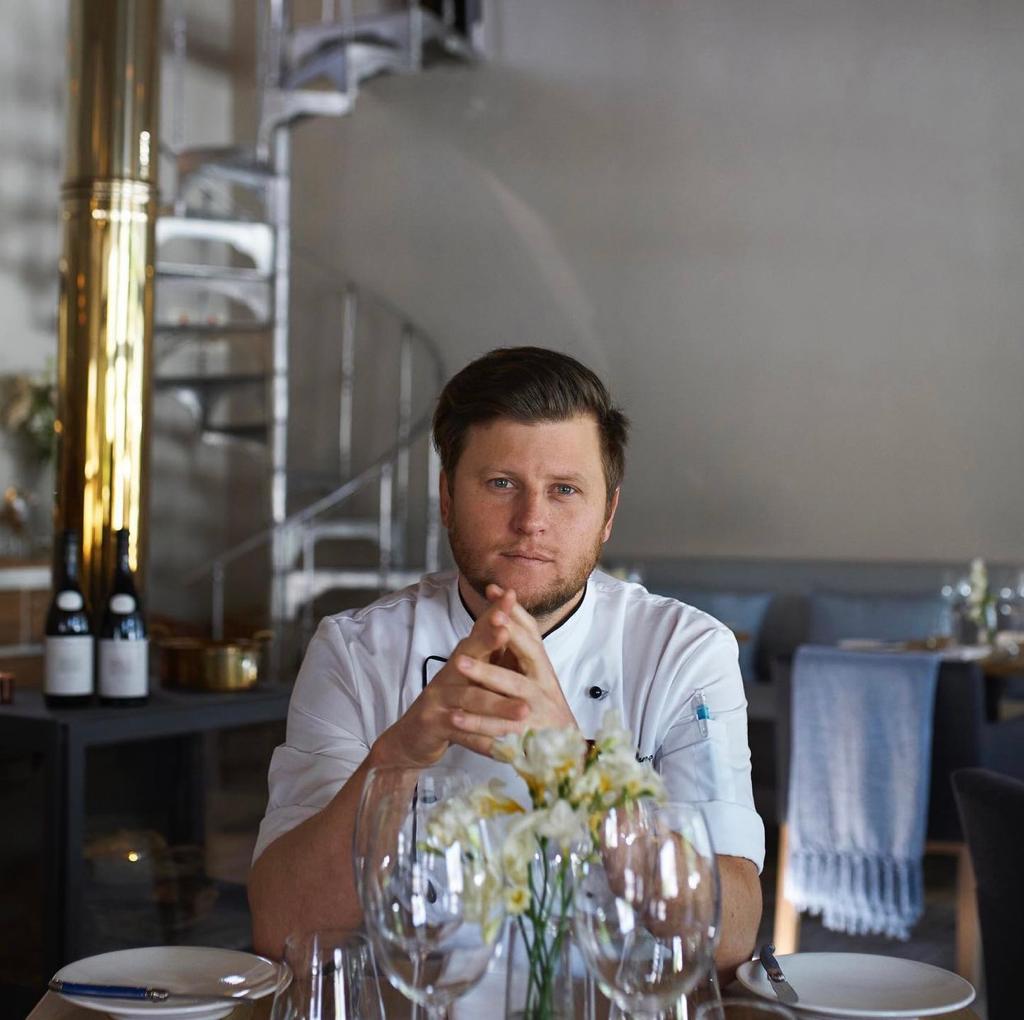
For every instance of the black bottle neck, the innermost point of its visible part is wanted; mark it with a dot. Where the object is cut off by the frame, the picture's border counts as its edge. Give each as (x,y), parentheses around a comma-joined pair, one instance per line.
(121,560)
(69,562)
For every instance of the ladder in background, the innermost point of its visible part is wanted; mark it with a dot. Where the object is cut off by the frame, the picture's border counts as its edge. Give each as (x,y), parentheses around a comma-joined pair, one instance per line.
(226,277)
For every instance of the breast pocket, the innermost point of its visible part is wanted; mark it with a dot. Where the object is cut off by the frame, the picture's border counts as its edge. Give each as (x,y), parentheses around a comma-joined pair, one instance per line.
(695,761)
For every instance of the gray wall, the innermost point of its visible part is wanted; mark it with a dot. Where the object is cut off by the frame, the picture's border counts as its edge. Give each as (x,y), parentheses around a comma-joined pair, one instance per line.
(31,144)
(188,499)
(790,233)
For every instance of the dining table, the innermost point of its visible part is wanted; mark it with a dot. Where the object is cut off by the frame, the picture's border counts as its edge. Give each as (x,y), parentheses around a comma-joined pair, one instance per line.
(53,1007)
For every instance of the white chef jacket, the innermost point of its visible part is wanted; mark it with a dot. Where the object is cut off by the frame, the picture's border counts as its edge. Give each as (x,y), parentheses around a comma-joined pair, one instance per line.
(654,660)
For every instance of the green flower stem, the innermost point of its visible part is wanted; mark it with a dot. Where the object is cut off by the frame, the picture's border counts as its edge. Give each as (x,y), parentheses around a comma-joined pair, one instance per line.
(535,925)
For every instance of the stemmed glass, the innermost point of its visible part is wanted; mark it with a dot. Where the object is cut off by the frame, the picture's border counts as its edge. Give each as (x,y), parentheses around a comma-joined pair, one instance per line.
(647,907)
(424,787)
(332,977)
(432,900)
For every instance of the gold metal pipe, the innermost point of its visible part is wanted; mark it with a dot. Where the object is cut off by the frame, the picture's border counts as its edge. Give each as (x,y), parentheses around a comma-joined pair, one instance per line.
(109,205)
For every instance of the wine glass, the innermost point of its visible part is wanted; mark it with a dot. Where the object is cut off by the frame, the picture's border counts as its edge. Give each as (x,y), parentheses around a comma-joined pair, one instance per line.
(333,978)
(431,893)
(427,786)
(646,914)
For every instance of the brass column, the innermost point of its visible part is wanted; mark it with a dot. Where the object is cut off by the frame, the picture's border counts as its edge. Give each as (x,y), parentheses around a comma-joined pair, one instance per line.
(108,215)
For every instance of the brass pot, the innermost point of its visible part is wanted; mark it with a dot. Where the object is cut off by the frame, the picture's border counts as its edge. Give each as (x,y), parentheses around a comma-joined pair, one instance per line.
(197,664)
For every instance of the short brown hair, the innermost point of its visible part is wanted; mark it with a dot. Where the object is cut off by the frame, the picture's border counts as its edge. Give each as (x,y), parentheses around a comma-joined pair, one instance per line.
(528,384)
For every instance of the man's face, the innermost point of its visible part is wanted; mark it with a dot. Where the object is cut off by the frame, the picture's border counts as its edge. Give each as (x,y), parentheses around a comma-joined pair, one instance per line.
(528,509)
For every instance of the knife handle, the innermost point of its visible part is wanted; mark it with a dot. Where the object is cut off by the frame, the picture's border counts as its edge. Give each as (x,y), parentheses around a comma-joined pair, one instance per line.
(108,991)
(770,964)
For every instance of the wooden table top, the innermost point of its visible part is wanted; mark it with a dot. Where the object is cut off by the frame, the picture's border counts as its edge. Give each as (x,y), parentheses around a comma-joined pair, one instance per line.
(53,1007)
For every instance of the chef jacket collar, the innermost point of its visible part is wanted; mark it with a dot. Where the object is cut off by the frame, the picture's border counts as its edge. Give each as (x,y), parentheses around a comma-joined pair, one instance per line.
(559,636)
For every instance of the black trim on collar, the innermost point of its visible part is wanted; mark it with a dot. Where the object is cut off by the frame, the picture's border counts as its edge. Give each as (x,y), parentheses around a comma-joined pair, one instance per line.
(570,615)
(458,588)
(564,620)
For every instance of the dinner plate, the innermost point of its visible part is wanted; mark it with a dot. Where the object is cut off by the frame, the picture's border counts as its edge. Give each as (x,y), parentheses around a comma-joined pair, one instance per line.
(870,645)
(862,986)
(192,970)
(967,653)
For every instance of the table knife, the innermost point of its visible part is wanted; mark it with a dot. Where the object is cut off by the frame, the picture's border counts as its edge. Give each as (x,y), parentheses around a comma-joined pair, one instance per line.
(784,991)
(133,992)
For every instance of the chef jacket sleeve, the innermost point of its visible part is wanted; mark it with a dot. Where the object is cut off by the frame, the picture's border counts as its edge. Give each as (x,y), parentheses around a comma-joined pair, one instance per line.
(708,761)
(325,740)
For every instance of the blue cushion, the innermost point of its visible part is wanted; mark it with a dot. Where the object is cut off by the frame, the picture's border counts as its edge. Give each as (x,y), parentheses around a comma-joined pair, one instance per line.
(740,610)
(836,616)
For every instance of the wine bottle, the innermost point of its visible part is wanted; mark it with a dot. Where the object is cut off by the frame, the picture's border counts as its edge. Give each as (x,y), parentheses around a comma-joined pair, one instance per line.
(68,641)
(123,644)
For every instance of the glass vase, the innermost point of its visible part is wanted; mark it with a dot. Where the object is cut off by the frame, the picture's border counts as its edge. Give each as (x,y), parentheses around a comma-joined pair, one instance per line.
(540,981)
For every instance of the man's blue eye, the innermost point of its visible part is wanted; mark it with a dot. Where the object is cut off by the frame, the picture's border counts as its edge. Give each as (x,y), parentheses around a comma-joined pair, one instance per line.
(565,490)
(500,483)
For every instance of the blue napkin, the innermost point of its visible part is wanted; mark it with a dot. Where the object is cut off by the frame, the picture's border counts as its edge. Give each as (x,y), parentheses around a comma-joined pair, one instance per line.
(858,787)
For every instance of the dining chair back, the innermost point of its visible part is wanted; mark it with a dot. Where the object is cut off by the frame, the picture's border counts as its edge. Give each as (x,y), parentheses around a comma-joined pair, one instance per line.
(743,611)
(882,616)
(992,808)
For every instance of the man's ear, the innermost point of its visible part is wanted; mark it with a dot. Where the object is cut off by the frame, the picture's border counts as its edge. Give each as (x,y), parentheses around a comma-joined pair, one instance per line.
(612,507)
(445,495)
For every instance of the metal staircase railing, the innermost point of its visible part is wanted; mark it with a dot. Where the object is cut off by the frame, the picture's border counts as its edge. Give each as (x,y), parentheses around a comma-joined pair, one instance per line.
(299,533)
(227,276)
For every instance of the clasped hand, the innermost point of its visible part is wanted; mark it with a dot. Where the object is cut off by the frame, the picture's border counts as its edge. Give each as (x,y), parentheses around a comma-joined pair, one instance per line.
(498,680)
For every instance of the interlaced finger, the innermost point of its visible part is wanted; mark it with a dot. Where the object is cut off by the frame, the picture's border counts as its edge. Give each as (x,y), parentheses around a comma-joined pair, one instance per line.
(482,725)
(493,678)
(479,701)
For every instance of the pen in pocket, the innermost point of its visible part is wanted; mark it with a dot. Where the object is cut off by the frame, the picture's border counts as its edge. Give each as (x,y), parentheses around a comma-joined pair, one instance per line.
(702,713)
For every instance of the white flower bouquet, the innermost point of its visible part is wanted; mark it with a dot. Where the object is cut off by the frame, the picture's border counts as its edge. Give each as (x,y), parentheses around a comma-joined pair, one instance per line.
(572,784)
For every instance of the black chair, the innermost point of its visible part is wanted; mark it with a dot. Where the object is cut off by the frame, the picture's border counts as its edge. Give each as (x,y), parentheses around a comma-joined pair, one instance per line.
(992,810)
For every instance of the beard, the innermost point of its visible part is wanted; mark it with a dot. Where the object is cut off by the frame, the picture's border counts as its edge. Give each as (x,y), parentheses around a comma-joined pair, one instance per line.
(539,603)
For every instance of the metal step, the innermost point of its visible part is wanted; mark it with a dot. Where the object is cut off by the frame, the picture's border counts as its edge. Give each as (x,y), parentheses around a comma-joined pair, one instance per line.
(209,387)
(255,433)
(202,330)
(206,273)
(176,283)
(236,164)
(286,106)
(367,528)
(302,586)
(347,62)
(250,238)
(402,30)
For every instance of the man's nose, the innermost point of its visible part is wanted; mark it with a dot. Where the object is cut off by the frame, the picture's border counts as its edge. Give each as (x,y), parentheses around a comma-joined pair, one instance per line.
(531,513)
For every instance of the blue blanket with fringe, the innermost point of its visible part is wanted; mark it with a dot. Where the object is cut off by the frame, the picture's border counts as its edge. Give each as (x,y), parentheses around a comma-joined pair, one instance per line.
(858,787)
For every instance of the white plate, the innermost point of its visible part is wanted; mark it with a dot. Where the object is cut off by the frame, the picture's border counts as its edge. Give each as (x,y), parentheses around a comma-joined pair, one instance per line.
(858,985)
(967,653)
(190,969)
(870,645)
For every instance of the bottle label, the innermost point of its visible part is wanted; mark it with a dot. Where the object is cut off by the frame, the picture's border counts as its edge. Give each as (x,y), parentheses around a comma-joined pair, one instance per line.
(122,604)
(69,601)
(124,668)
(68,669)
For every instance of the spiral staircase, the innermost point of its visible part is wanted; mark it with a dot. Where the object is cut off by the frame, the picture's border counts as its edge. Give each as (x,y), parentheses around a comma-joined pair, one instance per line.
(225,277)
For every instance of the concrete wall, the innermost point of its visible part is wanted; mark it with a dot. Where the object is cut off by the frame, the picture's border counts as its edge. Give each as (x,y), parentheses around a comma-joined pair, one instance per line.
(189,502)
(788,232)
(32,84)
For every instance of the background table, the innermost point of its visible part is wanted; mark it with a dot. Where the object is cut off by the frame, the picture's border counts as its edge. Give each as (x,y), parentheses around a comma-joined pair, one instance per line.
(63,740)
